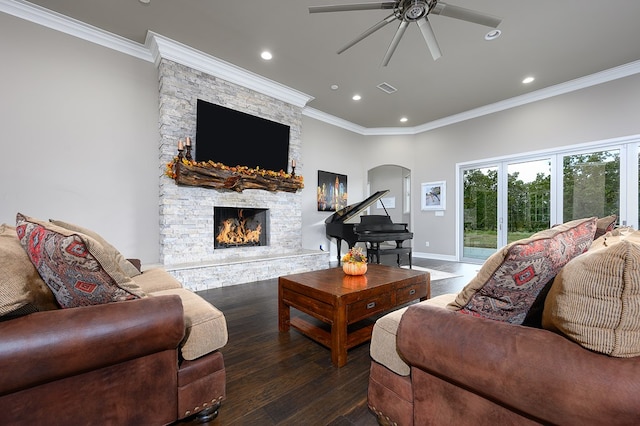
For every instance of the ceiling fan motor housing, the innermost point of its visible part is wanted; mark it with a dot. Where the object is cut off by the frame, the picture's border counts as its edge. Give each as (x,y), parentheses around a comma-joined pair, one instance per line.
(412,10)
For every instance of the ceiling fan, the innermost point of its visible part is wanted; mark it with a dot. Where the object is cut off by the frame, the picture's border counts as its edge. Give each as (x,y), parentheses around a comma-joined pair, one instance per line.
(408,11)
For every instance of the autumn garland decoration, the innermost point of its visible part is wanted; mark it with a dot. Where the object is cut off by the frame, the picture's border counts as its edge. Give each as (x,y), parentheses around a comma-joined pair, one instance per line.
(170,170)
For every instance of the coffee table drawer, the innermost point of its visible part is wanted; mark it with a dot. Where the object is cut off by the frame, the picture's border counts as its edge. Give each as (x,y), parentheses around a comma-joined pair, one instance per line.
(410,292)
(367,307)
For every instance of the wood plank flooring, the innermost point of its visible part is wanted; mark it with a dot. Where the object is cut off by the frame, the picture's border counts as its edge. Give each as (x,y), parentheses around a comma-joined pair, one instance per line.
(278,378)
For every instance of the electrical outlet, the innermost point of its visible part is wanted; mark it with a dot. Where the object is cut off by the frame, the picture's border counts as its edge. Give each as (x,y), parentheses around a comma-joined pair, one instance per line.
(426,243)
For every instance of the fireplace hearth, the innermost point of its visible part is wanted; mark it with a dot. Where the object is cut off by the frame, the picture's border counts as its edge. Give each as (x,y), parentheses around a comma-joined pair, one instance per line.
(240,227)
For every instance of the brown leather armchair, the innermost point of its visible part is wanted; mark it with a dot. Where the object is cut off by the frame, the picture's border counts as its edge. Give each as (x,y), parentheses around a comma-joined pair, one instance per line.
(116,363)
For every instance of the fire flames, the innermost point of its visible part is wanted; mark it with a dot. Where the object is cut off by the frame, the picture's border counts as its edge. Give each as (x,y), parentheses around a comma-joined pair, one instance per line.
(234,232)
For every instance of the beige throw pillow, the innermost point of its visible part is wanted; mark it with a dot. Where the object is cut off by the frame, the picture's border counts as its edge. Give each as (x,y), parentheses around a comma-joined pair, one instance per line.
(595,299)
(21,288)
(127,267)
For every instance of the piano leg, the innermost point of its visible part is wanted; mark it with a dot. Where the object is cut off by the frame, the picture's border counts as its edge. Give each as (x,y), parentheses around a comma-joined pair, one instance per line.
(339,247)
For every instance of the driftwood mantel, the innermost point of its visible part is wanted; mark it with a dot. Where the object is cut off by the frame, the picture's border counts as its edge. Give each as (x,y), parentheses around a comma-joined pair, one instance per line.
(233,178)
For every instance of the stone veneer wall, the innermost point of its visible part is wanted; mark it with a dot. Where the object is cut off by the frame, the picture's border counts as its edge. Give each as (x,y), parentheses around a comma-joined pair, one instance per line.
(186,213)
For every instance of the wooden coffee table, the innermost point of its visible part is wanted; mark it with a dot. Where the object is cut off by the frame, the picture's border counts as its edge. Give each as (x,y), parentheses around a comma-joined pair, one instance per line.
(340,300)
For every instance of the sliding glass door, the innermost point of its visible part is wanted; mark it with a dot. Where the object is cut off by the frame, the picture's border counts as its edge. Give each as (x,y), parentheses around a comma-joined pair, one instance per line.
(591,184)
(480,210)
(497,212)
(511,199)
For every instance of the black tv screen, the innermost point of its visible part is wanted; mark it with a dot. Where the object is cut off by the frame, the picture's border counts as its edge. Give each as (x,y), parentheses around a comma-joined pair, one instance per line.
(235,138)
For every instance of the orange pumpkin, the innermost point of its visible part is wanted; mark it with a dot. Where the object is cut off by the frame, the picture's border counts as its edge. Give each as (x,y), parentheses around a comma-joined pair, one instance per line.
(354,268)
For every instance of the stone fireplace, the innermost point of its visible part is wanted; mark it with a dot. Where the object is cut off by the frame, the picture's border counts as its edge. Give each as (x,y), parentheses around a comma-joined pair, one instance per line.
(188,227)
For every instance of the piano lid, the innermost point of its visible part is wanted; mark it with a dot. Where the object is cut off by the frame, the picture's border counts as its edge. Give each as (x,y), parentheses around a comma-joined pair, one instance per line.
(353,210)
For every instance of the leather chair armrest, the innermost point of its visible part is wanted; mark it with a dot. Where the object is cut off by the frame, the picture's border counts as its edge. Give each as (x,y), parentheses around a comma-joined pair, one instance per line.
(530,370)
(46,346)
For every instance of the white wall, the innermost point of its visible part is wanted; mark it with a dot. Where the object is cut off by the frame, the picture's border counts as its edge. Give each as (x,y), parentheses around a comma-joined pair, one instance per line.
(331,149)
(79,136)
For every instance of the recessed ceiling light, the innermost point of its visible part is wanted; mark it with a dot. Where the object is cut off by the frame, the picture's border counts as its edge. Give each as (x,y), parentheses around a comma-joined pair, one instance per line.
(404,119)
(266,55)
(145,1)
(492,35)
(528,80)
(356,97)
(334,87)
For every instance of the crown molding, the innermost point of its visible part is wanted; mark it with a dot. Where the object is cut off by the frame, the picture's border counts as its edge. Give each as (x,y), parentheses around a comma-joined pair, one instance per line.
(164,48)
(56,21)
(157,47)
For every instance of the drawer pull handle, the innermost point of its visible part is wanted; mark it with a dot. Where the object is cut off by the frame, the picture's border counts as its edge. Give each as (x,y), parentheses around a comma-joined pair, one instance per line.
(371,305)
(412,292)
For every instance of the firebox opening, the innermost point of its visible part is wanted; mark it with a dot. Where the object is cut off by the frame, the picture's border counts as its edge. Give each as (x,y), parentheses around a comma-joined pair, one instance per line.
(240,227)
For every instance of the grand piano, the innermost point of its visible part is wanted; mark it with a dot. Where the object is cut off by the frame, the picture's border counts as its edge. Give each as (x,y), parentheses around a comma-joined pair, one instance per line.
(372,229)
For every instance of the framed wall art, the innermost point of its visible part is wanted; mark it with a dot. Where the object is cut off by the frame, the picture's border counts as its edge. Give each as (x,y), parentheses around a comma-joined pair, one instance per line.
(433,195)
(332,191)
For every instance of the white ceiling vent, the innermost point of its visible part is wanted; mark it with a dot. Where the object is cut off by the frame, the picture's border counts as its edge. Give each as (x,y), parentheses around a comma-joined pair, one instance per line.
(387,88)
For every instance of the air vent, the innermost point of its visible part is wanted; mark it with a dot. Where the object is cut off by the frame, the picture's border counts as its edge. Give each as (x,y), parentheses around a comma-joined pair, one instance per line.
(387,88)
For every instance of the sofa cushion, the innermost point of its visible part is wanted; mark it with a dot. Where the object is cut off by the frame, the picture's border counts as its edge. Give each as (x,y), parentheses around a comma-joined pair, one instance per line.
(21,288)
(156,279)
(509,281)
(383,339)
(74,266)
(595,299)
(127,267)
(205,325)
(604,225)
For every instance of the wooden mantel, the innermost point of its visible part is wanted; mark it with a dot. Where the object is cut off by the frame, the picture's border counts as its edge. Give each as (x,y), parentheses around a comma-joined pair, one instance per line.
(218,176)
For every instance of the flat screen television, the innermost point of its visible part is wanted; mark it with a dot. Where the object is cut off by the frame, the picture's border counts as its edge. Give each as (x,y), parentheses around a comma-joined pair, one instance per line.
(235,138)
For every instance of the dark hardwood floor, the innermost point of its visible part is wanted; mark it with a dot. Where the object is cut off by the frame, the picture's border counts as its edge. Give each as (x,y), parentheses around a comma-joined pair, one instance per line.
(278,378)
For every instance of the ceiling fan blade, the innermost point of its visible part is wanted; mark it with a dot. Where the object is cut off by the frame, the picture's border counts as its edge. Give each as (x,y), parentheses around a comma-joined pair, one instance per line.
(429,37)
(370,31)
(464,14)
(394,43)
(355,6)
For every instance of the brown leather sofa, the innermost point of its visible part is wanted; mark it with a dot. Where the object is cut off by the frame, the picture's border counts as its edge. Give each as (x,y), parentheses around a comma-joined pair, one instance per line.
(116,363)
(467,370)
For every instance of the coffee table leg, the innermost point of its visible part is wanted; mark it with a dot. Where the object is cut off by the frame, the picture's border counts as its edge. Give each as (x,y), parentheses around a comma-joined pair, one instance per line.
(284,312)
(339,336)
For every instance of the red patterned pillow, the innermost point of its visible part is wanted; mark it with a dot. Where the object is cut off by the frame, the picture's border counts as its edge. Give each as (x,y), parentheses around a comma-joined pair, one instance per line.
(74,266)
(509,281)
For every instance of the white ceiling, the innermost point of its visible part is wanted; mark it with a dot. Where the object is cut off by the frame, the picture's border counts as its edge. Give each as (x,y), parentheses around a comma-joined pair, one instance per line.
(554,41)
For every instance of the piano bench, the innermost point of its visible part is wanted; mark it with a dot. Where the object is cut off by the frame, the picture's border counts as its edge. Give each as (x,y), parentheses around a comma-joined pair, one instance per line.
(376,252)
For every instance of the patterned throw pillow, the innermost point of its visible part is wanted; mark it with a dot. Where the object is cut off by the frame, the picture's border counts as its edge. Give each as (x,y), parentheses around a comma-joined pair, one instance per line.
(595,299)
(21,288)
(74,266)
(509,281)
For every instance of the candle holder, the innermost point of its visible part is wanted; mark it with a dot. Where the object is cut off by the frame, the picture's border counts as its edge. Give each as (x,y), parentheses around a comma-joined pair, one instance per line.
(180,156)
(188,156)
(293,171)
